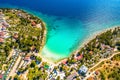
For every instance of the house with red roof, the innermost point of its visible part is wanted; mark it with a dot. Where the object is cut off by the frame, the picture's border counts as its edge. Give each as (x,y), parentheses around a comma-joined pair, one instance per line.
(1,76)
(79,57)
(33,23)
(27,58)
(96,72)
(64,61)
(2,34)
(1,40)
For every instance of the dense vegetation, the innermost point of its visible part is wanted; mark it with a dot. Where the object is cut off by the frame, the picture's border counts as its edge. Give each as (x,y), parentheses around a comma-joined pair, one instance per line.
(36,72)
(22,34)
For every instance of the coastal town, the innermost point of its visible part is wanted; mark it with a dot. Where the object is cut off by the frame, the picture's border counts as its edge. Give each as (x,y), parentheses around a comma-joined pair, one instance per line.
(22,37)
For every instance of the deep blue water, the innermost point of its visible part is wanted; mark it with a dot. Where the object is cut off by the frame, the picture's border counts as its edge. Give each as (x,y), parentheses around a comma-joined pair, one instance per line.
(82,9)
(69,22)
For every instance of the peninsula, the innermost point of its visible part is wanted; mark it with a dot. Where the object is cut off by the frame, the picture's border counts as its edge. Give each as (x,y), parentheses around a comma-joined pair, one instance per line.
(21,35)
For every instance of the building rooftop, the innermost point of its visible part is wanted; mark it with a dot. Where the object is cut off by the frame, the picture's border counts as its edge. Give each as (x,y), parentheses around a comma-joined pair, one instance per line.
(2,34)
(33,23)
(80,57)
(1,40)
(1,76)
(71,77)
(64,61)
(27,58)
(83,69)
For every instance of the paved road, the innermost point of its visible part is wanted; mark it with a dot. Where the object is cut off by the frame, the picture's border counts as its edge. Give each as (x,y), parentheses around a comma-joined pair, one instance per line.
(99,63)
(104,60)
(12,63)
(12,72)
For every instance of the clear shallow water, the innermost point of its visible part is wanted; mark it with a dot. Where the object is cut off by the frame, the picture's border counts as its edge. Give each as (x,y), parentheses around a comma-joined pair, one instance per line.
(70,22)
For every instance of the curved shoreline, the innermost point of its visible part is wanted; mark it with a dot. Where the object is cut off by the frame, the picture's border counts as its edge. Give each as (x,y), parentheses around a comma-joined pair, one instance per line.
(43,41)
(44,27)
(85,41)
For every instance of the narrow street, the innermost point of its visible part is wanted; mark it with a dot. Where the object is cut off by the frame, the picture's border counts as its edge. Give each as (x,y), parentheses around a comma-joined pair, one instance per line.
(12,64)
(98,64)
(12,72)
(104,60)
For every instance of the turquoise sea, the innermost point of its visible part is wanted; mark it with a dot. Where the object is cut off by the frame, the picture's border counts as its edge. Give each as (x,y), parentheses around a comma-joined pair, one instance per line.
(69,22)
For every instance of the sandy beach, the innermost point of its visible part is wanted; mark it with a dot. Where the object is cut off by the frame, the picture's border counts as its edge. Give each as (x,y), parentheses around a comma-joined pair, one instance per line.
(81,45)
(87,40)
